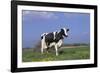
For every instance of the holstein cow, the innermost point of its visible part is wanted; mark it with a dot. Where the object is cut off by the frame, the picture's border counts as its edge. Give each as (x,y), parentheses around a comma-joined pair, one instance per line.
(53,39)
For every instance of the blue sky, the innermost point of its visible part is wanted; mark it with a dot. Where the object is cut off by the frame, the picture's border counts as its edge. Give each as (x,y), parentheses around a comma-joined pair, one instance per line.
(37,22)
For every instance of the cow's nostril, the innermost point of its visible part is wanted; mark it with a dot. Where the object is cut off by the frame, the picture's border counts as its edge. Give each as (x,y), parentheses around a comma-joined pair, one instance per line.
(66,35)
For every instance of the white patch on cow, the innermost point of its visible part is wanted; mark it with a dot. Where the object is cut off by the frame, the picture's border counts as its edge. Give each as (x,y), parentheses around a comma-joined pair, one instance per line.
(65,31)
(52,44)
(59,43)
(55,46)
(44,34)
(54,35)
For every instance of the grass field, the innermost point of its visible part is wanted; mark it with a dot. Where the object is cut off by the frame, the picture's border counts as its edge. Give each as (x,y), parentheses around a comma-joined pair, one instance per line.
(71,53)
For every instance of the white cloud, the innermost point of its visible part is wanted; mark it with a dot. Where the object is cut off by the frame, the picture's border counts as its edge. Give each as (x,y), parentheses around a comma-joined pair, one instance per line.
(41,14)
(26,12)
(74,14)
(70,15)
(86,33)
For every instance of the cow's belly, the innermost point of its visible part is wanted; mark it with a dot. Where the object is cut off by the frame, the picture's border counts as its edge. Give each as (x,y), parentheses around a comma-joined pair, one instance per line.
(59,43)
(52,44)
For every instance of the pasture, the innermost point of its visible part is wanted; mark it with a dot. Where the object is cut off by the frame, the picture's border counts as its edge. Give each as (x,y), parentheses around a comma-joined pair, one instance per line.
(65,53)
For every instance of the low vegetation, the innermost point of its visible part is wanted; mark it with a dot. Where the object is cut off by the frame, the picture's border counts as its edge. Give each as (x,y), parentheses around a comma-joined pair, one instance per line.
(65,53)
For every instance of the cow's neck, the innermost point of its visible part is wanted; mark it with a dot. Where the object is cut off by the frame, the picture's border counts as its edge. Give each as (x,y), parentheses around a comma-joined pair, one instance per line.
(58,36)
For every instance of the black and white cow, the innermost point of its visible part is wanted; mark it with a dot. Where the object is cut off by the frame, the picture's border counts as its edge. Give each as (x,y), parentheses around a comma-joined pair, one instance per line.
(53,39)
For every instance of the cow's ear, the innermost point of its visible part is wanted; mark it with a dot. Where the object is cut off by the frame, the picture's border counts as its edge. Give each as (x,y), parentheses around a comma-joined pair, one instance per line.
(67,29)
(61,29)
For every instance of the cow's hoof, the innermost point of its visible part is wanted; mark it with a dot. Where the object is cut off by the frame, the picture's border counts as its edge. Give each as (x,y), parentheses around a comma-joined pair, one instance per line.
(56,54)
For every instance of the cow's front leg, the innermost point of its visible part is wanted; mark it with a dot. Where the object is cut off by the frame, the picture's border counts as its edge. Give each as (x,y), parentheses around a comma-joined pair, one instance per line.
(56,49)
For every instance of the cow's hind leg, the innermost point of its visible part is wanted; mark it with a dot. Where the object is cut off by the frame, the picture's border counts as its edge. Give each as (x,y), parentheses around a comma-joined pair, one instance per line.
(47,49)
(41,50)
(42,46)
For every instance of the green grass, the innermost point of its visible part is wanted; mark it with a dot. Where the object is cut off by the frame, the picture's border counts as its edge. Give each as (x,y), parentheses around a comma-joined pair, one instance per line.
(77,53)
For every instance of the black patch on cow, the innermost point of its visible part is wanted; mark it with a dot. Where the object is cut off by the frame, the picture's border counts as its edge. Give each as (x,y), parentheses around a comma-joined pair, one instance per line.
(58,36)
(49,38)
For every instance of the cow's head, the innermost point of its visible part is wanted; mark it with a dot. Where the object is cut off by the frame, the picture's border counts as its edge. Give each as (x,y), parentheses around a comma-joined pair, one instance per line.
(64,32)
